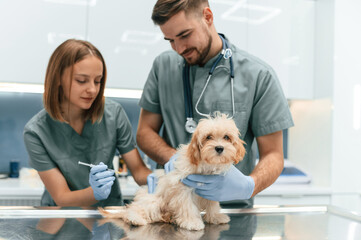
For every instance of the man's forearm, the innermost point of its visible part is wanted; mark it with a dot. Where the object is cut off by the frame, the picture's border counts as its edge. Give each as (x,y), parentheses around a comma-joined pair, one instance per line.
(267,171)
(154,146)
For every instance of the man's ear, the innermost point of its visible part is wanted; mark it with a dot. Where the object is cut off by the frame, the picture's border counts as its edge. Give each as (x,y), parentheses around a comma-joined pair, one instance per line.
(208,16)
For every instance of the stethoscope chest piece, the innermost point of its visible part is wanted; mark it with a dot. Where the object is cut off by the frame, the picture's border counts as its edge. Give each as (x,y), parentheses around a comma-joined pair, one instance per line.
(190,125)
(227,53)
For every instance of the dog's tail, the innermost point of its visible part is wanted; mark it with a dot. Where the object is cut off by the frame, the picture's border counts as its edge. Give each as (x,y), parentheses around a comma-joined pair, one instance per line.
(119,212)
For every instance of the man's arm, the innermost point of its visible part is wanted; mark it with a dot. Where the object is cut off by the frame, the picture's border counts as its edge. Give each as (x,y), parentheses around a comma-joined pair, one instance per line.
(149,140)
(270,163)
(136,166)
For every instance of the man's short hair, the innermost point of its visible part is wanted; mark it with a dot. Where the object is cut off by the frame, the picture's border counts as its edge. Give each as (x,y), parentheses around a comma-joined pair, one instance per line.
(164,9)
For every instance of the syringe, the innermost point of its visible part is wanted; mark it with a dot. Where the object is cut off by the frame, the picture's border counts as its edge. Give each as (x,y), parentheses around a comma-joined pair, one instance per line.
(92,165)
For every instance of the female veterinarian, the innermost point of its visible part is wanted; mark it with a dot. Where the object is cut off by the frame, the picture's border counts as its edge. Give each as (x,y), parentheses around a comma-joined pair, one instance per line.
(79,124)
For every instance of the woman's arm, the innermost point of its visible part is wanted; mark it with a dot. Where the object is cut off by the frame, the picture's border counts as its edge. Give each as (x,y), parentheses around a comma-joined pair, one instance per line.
(136,166)
(57,186)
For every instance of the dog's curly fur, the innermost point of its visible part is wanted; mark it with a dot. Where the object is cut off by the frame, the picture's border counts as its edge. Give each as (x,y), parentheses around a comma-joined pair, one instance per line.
(214,147)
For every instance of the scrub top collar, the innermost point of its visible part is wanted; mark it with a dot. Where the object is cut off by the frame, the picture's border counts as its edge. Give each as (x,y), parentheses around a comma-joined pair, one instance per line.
(87,132)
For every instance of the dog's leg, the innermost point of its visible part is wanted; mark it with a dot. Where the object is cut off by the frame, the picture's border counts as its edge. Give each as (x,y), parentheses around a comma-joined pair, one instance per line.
(143,210)
(130,215)
(213,214)
(186,213)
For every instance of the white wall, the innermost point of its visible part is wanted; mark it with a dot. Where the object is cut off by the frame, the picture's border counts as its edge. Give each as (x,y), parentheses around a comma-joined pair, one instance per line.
(310,140)
(346,132)
(326,139)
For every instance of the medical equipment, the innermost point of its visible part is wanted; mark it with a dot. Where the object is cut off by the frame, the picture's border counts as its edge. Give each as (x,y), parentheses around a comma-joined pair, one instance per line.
(190,123)
(92,165)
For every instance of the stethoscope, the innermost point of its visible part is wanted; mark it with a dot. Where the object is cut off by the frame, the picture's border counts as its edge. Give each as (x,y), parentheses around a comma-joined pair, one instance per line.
(226,53)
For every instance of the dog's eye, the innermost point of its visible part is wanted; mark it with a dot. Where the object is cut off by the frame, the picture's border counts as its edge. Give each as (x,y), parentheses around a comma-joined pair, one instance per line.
(209,137)
(226,137)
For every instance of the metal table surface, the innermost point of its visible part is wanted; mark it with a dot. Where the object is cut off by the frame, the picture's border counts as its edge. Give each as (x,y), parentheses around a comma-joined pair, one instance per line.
(258,223)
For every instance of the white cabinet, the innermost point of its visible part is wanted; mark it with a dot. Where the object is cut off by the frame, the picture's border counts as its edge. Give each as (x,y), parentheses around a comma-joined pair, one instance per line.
(129,41)
(281,32)
(31,30)
(294,194)
(293,200)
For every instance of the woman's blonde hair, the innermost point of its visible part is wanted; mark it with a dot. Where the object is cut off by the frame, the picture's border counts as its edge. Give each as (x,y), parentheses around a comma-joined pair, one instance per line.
(66,55)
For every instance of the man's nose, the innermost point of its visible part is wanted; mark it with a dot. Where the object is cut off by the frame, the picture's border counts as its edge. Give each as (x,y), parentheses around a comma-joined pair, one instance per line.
(179,47)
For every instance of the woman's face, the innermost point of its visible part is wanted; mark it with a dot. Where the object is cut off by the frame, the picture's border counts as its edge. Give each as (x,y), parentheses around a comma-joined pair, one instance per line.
(85,83)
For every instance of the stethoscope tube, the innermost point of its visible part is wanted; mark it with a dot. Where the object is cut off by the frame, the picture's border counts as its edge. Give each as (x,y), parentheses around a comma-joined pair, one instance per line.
(190,123)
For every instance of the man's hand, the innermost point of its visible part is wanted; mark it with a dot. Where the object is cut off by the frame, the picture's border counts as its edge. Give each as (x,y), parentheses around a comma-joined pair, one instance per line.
(234,185)
(152,178)
(152,181)
(169,166)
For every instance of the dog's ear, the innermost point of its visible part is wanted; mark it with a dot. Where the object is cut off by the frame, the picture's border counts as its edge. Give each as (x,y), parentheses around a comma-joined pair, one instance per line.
(241,151)
(193,151)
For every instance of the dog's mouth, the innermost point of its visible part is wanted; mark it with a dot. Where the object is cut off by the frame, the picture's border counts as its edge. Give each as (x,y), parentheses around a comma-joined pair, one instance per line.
(218,154)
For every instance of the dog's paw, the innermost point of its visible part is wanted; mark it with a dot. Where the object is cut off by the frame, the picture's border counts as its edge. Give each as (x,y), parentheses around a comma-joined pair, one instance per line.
(218,218)
(136,219)
(196,224)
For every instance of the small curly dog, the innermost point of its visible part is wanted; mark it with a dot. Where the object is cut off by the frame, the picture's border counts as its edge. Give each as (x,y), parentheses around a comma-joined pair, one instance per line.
(214,147)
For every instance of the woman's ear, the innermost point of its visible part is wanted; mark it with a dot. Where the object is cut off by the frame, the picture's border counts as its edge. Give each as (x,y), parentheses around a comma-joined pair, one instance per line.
(241,151)
(193,151)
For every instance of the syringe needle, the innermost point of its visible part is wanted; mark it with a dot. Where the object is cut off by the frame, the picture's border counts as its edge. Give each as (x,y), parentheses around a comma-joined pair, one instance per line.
(85,164)
(92,165)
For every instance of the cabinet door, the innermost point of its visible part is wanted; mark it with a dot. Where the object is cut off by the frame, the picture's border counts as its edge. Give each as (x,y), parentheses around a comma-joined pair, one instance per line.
(124,32)
(281,32)
(130,41)
(230,19)
(31,30)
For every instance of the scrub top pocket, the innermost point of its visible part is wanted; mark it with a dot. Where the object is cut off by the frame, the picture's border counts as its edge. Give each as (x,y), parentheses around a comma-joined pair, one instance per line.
(240,115)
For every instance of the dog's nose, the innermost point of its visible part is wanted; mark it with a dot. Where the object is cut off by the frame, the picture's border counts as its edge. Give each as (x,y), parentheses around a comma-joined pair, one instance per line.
(219,149)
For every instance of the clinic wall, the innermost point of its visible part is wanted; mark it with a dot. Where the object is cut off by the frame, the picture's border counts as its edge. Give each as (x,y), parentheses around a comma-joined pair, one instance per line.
(310,140)
(347,97)
(277,31)
(327,135)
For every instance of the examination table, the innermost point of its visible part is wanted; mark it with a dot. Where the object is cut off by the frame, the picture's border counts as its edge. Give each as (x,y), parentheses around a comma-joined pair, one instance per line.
(258,223)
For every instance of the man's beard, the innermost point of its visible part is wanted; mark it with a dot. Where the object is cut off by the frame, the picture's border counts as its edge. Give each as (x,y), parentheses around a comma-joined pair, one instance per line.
(202,55)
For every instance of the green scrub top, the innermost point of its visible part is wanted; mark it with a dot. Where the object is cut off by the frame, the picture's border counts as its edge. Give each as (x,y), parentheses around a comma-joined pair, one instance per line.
(260,105)
(53,144)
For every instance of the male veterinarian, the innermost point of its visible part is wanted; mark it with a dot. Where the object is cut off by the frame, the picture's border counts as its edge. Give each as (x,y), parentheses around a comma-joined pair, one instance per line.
(207,73)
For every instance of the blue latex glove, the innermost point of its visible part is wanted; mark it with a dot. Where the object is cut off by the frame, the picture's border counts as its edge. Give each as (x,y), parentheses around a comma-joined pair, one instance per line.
(231,186)
(169,166)
(101,181)
(152,181)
